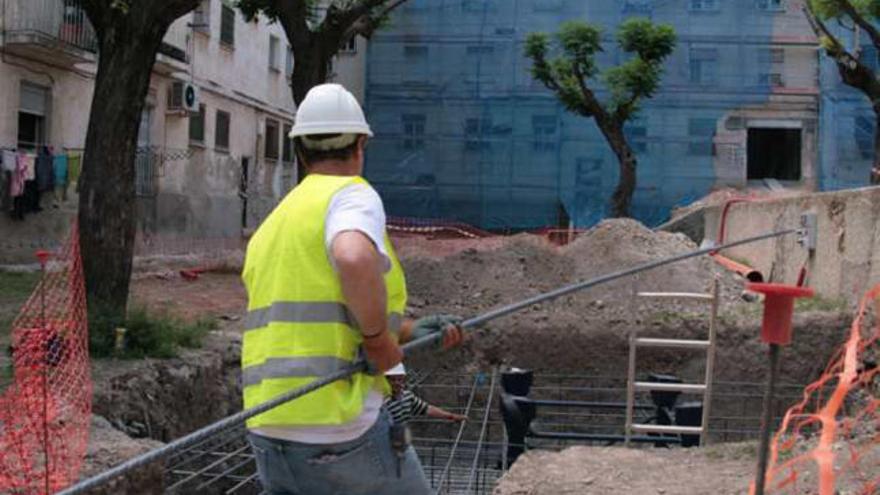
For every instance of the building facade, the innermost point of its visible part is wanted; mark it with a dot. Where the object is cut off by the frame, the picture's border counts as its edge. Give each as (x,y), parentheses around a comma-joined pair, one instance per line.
(213,157)
(465,133)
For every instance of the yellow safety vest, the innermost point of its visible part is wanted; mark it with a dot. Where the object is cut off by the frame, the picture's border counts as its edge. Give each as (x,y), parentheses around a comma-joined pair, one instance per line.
(298,327)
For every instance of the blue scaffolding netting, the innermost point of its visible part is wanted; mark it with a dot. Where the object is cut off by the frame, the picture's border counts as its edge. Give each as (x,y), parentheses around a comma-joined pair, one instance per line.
(464,133)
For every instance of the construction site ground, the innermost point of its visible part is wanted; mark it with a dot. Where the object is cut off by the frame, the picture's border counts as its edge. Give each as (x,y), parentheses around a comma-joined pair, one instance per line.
(586,334)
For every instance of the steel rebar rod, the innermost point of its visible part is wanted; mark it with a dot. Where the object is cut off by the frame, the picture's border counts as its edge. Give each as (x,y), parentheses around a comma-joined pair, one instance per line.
(361,365)
(483,428)
(461,429)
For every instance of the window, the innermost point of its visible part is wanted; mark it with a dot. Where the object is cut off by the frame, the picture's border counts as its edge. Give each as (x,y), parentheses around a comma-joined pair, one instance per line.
(704,5)
(771,56)
(33,114)
(197,126)
(864,134)
(636,135)
(475,132)
(547,6)
(477,5)
(227,26)
(704,65)
(413,131)
(274,45)
(416,59)
(288,63)
(700,133)
(477,50)
(202,18)
(544,133)
(221,131)
(286,144)
(770,5)
(638,7)
(350,46)
(415,51)
(773,79)
(271,139)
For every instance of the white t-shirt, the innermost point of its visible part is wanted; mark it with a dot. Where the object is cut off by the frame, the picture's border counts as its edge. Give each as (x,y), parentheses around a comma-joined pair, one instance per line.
(357,207)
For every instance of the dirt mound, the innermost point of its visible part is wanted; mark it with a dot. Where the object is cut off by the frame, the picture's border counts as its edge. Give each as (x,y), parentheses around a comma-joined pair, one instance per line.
(722,469)
(587,332)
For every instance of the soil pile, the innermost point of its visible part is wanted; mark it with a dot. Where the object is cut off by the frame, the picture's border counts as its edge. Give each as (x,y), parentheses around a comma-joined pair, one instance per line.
(587,332)
(722,469)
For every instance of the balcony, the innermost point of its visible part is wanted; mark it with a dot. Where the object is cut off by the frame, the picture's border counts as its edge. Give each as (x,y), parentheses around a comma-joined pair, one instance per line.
(53,31)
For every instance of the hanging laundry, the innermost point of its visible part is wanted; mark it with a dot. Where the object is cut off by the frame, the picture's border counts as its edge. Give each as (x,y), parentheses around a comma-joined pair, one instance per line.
(59,164)
(8,159)
(16,187)
(74,168)
(19,176)
(30,162)
(45,173)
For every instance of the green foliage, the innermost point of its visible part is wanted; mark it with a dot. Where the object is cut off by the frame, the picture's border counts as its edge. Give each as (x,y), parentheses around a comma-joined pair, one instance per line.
(571,71)
(652,42)
(146,335)
(834,9)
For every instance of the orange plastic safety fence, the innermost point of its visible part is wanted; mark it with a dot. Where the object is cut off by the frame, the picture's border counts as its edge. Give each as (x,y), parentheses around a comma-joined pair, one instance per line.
(830,441)
(45,413)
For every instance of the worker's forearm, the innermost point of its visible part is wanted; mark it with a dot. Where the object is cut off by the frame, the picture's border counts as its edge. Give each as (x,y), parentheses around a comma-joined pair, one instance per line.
(438,413)
(360,275)
(363,289)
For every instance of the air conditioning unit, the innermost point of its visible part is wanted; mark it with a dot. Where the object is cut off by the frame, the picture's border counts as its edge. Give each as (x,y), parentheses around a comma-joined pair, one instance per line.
(183,97)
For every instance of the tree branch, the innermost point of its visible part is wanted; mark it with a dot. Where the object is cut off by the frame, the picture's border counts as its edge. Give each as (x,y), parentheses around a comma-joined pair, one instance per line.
(853,72)
(859,19)
(366,25)
(593,107)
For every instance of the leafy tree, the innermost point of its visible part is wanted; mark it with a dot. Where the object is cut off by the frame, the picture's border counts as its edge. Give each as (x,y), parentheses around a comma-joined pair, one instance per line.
(861,15)
(129,33)
(573,74)
(317,29)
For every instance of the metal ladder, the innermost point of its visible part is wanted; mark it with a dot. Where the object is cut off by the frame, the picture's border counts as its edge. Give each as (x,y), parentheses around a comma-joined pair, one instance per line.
(633,386)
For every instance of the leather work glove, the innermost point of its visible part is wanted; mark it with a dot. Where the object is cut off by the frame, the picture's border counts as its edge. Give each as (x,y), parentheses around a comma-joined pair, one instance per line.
(432,324)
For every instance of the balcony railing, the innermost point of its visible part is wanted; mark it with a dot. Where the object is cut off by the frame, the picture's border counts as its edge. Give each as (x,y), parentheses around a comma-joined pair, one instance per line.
(47,21)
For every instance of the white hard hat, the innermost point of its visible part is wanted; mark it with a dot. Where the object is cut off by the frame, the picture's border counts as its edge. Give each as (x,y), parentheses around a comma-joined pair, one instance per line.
(329,109)
(397,370)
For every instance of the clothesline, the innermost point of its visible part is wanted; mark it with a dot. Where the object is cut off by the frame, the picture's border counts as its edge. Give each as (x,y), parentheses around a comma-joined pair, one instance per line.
(26,174)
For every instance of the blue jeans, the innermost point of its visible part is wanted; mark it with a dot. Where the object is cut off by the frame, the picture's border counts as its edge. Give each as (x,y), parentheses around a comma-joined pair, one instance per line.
(366,465)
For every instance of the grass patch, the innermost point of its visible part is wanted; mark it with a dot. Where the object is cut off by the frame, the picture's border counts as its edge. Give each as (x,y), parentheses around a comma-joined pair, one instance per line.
(819,303)
(147,334)
(15,288)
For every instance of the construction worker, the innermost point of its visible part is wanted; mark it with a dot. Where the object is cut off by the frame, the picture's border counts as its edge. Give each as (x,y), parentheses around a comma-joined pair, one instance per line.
(403,404)
(324,287)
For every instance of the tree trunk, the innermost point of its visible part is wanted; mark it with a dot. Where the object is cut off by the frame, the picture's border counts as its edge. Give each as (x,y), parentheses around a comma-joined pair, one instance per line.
(875,167)
(621,200)
(311,68)
(107,213)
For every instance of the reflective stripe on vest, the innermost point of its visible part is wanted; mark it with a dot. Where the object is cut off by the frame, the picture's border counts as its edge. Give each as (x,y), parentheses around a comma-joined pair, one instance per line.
(298,327)
(309,312)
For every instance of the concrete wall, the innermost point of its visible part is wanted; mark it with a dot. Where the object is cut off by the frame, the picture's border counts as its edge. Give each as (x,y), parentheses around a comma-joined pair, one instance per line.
(847,260)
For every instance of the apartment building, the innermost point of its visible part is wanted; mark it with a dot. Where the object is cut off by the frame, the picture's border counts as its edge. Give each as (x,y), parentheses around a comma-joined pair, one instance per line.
(213,157)
(464,132)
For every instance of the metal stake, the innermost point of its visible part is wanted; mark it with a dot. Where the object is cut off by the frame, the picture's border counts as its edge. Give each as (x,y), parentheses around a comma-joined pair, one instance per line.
(767,419)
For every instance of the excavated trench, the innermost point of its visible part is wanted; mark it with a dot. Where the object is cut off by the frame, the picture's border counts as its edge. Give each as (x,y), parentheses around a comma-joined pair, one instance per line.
(584,335)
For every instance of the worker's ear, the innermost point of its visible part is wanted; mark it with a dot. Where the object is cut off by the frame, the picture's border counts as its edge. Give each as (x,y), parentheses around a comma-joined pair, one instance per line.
(361,147)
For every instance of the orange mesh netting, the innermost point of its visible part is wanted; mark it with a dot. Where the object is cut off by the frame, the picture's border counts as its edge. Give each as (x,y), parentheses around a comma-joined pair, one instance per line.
(830,441)
(45,412)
